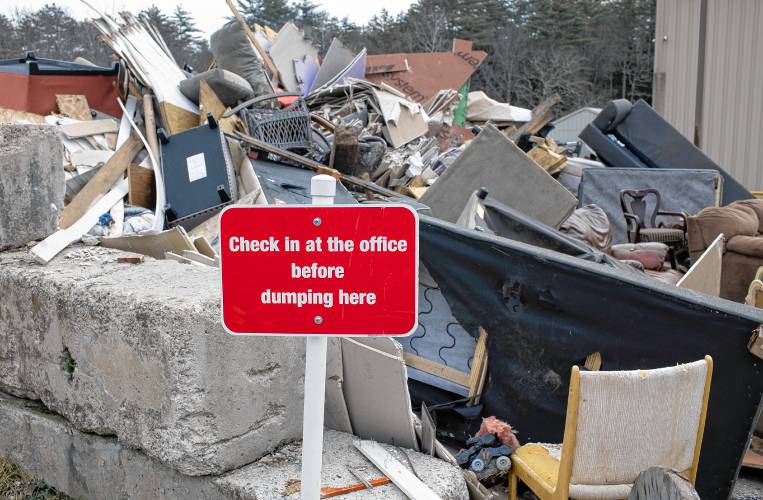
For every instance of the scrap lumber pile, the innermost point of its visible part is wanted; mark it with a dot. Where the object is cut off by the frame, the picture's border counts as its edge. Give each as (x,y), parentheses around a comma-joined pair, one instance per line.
(152,153)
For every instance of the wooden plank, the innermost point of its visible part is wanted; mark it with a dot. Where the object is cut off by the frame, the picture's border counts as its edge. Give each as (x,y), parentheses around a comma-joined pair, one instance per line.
(437,369)
(142,186)
(74,106)
(404,479)
(209,103)
(204,248)
(329,492)
(752,460)
(88,128)
(149,121)
(593,362)
(541,115)
(477,361)
(481,385)
(101,182)
(53,244)
(201,259)
(177,119)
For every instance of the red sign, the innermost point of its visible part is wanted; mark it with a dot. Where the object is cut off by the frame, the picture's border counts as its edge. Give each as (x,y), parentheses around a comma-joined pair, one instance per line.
(319,270)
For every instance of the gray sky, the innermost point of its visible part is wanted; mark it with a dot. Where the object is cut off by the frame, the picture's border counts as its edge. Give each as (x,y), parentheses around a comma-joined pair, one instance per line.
(209,14)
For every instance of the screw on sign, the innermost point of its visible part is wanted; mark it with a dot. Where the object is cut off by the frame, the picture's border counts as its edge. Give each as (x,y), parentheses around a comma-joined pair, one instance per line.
(319,270)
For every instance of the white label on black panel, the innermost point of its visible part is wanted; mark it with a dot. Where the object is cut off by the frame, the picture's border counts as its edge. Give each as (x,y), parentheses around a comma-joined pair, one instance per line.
(197,167)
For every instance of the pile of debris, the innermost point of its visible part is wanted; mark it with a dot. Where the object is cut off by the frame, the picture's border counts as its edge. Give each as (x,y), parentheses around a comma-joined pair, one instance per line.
(519,236)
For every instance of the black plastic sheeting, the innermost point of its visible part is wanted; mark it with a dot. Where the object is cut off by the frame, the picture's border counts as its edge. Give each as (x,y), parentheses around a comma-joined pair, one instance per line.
(545,312)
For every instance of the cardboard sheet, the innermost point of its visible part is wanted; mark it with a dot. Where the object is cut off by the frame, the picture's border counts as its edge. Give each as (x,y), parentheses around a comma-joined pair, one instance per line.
(421,75)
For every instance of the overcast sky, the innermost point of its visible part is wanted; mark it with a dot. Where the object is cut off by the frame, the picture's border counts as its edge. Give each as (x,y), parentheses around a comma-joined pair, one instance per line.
(209,14)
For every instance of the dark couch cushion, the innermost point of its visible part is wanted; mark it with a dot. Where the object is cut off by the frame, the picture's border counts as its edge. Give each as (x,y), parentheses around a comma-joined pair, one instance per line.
(612,114)
(659,145)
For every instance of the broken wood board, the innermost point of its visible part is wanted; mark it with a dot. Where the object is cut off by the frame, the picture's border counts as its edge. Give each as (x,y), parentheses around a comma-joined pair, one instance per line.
(53,244)
(180,259)
(209,103)
(376,391)
(437,369)
(510,176)
(403,478)
(177,119)
(142,186)
(753,457)
(154,245)
(541,115)
(76,130)
(705,275)
(550,161)
(199,258)
(11,116)
(479,360)
(101,182)
(149,122)
(74,106)
(204,248)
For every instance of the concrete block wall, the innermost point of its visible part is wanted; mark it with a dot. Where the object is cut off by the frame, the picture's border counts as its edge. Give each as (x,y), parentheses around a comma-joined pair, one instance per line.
(31,183)
(94,467)
(138,352)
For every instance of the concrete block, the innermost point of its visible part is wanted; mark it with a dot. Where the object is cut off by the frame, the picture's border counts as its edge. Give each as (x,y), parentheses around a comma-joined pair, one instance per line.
(88,466)
(274,474)
(31,183)
(96,467)
(138,351)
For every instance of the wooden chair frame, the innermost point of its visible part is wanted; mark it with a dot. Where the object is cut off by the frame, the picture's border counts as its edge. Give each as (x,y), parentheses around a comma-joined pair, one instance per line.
(521,471)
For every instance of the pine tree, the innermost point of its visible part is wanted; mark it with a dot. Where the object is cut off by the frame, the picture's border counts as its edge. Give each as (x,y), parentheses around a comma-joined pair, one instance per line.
(272,13)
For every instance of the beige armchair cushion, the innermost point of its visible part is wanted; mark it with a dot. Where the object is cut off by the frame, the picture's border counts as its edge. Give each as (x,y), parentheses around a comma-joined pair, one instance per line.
(630,421)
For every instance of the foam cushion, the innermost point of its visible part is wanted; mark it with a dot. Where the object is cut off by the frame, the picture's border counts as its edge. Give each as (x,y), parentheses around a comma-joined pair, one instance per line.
(228,86)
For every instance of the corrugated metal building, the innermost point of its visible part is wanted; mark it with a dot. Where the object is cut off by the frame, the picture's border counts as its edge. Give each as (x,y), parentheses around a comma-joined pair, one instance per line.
(708,80)
(568,127)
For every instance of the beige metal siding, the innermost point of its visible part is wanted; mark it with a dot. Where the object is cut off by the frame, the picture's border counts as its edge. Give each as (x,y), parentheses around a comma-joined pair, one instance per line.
(732,123)
(676,56)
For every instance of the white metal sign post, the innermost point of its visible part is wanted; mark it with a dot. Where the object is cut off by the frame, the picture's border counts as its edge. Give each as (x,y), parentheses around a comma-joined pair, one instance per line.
(322,190)
(322,270)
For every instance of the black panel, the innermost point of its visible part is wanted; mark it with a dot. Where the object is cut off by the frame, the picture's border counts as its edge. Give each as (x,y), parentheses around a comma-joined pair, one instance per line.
(545,312)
